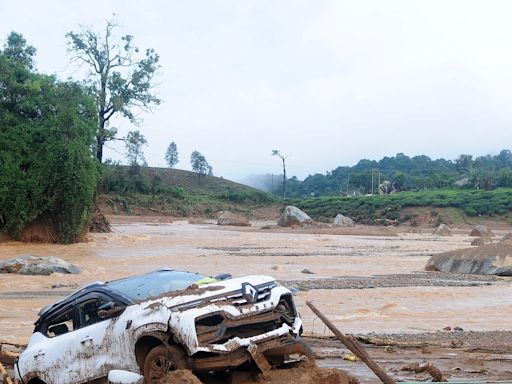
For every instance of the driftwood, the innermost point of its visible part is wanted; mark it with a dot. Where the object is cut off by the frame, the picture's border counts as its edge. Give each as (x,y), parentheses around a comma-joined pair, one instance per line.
(437,375)
(7,357)
(357,349)
(3,372)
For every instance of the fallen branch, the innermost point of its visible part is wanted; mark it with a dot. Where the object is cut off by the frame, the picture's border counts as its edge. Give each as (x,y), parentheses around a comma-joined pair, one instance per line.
(9,358)
(157,210)
(354,346)
(437,375)
(3,371)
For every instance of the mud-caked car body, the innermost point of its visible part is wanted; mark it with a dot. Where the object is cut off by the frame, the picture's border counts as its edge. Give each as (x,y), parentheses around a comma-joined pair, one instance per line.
(161,321)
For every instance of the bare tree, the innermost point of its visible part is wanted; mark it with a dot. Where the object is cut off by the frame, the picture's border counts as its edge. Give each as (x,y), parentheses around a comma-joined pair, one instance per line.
(283,158)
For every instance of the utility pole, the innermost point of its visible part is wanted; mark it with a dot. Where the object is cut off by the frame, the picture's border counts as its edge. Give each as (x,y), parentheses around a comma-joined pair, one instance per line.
(372,183)
(275,152)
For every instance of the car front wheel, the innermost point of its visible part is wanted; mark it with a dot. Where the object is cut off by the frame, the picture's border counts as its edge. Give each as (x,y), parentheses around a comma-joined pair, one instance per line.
(161,360)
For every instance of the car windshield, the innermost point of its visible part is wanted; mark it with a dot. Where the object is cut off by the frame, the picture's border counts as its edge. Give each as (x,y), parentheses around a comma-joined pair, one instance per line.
(154,284)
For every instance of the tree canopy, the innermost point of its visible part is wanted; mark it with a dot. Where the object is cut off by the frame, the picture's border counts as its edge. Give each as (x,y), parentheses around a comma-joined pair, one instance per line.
(46,134)
(120,80)
(200,165)
(171,155)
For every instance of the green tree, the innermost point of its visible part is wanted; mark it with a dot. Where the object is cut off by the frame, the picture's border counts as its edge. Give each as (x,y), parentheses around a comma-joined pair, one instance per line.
(134,142)
(171,155)
(120,77)
(48,171)
(17,50)
(200,165)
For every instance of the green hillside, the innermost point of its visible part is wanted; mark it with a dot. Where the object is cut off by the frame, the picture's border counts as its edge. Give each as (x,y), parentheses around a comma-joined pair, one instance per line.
(405,206)
(137,190)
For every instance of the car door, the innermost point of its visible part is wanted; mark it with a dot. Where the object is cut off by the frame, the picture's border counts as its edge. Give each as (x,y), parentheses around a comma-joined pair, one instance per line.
(100,339)
(55,354)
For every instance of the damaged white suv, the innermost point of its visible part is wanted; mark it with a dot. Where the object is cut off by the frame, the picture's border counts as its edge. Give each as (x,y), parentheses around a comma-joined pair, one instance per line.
(161,321)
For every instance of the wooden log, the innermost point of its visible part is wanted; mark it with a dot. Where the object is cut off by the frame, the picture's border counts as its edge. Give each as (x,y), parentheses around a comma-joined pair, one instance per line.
(354,346)
(4,373)
(7,357)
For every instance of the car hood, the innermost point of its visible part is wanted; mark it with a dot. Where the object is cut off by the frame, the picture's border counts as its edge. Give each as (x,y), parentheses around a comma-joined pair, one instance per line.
(197,294)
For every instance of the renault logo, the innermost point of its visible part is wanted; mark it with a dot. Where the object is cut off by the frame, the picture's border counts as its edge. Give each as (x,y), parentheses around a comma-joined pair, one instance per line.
(249,293)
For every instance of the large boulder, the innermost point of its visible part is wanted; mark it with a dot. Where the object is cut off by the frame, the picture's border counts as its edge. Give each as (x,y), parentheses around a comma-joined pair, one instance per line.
(489,259)
(442,230)
(343,221)
(37,265)
(229,218)
(481,231)
(293,216)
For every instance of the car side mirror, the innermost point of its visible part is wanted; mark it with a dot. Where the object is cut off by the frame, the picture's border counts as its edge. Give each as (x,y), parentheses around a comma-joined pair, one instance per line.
(223,276)
(110,309)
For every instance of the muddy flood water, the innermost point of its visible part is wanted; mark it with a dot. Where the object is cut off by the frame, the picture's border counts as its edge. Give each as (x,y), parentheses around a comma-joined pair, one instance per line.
(363,283)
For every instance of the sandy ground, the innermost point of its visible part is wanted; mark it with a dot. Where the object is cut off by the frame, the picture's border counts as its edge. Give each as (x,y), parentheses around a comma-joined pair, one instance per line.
(364,279)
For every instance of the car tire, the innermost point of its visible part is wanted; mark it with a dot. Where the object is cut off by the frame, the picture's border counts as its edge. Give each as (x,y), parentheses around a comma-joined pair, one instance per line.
(161,360)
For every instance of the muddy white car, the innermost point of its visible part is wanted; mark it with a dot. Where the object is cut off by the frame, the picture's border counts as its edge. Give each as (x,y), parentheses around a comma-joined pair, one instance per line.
(160,321)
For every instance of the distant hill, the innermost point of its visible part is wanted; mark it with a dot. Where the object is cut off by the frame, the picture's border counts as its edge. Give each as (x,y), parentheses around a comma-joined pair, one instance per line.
(190,182)
(146,190)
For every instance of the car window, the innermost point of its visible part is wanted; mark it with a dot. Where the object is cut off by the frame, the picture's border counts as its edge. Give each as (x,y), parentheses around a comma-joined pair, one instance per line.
(61,324)
(154,284)
(89,311)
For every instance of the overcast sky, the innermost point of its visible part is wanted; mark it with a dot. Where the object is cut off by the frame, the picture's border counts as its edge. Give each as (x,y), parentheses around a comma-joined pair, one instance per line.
(326,82)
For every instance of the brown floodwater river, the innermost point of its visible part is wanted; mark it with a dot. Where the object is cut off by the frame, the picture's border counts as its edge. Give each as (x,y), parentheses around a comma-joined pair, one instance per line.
(134,248)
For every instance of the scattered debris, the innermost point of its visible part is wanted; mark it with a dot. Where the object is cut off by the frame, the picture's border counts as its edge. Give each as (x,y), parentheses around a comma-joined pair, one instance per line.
(350,357)
(180,376)
(481,241)
(435,373)
(267,227)
(442,230)
(343,221)
(307,271)
(37,265)
(351,343)
(229,218)
(197,221)
(481,231)
(294,216)
(99,223)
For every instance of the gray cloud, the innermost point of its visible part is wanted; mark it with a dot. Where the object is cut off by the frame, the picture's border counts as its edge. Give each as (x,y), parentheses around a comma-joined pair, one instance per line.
(327,82)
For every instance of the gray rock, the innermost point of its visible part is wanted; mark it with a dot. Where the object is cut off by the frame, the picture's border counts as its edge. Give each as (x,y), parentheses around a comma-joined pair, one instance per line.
(229,218)
(37,265)
(307,271)
(293,216)
(481,231)
(343,221)
(481,241)
(490,259)
(442,230)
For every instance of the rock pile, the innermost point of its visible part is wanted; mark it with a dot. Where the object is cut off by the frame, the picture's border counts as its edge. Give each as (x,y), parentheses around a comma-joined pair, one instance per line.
(442,230)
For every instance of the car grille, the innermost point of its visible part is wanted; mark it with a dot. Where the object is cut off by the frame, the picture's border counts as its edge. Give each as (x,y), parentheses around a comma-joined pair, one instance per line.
(220,327)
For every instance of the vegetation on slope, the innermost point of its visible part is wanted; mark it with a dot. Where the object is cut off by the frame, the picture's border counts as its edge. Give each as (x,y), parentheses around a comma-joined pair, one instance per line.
(176,192)
(392,208)
(48,174)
